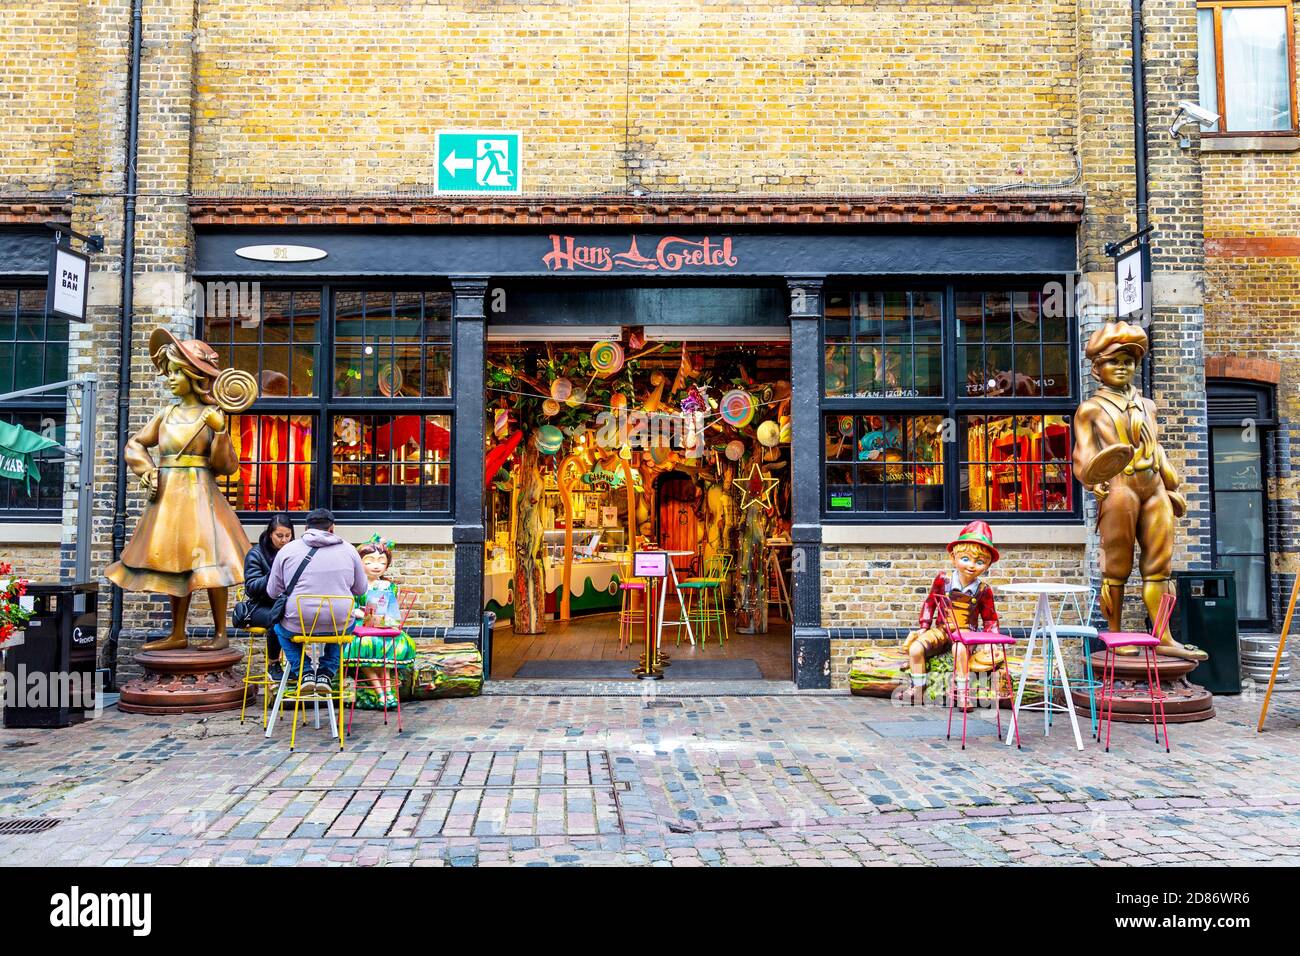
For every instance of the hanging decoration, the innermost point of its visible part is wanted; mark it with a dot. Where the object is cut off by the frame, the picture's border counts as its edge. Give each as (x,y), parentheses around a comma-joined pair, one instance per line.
(737,408)
(735,450)
(501,423)
(561,389)
(548,439)
(606,358)
(769,434)
(756,488)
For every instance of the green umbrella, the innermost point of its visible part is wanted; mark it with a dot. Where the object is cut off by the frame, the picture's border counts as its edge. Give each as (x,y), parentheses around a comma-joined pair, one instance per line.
(17,446)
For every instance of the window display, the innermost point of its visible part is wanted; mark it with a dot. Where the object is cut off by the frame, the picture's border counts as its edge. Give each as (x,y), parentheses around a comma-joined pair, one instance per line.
(889,410)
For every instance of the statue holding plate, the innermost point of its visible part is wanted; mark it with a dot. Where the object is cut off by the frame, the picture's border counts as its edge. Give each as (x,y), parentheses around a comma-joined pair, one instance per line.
(1118,457)
(188,537)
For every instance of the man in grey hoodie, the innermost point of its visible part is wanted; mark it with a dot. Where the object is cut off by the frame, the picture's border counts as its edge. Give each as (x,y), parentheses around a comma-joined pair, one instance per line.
(335,568)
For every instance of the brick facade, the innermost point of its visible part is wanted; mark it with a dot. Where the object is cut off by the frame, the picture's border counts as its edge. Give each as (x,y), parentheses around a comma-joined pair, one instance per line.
(325,113)
(1252,331)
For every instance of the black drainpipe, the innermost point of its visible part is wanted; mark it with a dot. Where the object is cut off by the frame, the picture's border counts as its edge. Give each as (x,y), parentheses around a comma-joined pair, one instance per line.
(126,328)
(1140,172)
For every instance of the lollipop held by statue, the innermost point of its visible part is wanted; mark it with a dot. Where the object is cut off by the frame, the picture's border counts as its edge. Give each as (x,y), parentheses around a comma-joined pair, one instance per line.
(188,537)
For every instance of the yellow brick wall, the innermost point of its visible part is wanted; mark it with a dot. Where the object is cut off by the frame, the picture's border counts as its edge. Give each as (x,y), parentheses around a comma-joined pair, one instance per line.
(38,85)
(337,97)
(1251,306)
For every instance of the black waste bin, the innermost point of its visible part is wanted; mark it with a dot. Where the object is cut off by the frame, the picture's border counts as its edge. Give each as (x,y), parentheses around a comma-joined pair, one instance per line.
(52,673)
(1207,617)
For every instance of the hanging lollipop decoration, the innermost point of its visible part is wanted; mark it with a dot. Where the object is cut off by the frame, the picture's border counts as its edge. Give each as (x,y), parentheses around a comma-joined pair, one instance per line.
(577,397)
(846,426)
(606,358)
(735,450)
(550,408)
(737,408)
(561,389)
(769,434)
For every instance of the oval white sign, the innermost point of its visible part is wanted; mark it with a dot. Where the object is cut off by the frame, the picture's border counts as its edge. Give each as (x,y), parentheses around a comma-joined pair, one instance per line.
(281,253)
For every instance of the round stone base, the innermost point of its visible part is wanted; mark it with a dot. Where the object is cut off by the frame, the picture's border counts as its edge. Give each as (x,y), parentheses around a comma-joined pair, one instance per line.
(1185,702)
(187,681)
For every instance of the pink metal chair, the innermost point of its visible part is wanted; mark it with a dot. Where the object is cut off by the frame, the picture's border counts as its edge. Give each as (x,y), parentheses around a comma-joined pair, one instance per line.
(405,601)
(1148,642)
(972,640)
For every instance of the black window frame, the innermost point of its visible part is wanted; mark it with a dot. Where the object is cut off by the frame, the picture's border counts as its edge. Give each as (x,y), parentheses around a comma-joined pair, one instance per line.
(323,406)
(950,405)
(1264,398)
(53,404)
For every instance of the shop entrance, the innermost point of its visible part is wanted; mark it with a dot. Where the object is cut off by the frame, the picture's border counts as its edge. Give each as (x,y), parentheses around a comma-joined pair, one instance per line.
(603,441)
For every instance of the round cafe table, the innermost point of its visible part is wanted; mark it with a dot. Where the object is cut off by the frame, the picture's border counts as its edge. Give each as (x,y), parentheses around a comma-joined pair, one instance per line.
(1041,633)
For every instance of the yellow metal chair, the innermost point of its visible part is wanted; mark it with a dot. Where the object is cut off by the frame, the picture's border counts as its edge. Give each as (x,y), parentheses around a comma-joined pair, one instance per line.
(710,612)
(339,632)
(255,676)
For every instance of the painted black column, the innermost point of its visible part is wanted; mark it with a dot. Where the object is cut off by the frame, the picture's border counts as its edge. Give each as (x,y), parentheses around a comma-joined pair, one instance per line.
(812,645)
(468,535)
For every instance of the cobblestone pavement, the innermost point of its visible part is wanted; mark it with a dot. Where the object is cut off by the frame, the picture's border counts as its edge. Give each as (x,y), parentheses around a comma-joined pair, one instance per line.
(820,779)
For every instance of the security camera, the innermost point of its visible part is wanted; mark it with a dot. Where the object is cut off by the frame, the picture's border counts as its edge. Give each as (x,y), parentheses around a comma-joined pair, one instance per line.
(1190,113)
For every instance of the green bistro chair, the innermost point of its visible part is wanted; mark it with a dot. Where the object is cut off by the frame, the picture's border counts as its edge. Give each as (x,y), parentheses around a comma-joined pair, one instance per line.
(706,599)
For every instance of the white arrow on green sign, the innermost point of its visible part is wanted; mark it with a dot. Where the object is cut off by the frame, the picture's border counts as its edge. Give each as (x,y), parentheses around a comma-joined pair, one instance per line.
(479,161)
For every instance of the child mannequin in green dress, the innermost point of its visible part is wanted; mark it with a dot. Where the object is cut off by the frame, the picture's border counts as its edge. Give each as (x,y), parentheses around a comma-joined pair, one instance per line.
(378,607)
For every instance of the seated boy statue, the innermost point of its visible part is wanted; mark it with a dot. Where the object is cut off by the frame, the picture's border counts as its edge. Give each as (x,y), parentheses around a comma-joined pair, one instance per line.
(972,554)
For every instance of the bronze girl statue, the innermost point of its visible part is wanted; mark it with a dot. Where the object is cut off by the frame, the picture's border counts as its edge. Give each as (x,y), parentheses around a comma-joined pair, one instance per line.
(188,537)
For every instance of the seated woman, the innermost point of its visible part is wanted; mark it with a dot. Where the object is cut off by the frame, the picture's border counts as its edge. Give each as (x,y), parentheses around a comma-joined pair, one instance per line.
(378,608)
(257,571)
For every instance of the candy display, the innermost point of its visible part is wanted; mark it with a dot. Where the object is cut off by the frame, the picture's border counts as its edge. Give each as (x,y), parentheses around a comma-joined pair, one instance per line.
(561,389)
(737,408)
(769,434)
(548,439)
(606,358)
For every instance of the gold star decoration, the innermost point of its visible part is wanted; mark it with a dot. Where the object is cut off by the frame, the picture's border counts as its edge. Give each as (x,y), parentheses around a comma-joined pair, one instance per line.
(756,488)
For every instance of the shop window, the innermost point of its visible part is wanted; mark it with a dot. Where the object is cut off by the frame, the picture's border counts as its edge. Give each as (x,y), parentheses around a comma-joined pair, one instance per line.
(391,463)
(354,412)
(881,463)
(277,455)
(1247,65)
(885,344)
(1007,349)
(33,352)
(1016,463)
(902,438)
(278,343)
(392,344)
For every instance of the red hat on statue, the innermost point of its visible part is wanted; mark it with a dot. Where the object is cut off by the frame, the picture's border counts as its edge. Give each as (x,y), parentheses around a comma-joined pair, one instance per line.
(977,532)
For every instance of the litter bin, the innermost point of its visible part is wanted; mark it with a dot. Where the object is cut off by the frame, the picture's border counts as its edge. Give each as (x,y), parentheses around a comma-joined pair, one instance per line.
(1207,617)
(52,673)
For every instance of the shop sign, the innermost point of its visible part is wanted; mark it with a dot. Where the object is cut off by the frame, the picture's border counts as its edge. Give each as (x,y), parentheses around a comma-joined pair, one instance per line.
(281,253)
(478,160)
(601,479)
(1130,291)
(69,280)
(841,501)
(671,254)
(650,564)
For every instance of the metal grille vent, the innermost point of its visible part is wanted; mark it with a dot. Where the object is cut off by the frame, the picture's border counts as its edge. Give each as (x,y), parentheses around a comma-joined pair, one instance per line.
(24,826)
(1234,407)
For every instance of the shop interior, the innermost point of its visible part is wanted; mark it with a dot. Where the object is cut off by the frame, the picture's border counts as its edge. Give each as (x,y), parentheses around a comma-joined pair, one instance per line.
(627,439)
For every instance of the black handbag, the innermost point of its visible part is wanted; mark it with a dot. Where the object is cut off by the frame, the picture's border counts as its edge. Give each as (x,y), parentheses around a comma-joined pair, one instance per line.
(249,613)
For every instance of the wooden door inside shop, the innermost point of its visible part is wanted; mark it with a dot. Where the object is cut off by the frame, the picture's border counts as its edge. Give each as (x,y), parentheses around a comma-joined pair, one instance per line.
(602,446)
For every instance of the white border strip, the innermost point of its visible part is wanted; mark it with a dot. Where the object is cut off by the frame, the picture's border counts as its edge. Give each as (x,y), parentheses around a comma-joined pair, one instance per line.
(1003,535)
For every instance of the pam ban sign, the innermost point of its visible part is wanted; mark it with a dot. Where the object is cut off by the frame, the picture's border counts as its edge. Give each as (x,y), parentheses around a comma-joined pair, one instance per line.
(69,281)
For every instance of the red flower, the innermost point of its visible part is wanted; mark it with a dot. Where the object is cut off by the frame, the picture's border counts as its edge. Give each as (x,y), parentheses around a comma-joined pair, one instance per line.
(22,585)
(5,567)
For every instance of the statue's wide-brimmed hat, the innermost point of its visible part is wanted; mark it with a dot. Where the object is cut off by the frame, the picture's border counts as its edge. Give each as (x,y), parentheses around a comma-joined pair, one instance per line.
(977,532)
(1115,337)
(199,354)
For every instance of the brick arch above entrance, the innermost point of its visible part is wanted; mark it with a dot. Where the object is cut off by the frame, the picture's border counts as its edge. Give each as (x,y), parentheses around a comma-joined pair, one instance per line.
(1243,367)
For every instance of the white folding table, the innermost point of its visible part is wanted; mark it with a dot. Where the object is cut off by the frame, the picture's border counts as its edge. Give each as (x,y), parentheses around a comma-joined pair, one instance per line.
(1041,632)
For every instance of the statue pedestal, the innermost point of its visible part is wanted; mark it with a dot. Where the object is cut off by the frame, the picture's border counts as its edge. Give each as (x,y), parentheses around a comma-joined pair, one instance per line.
(1185,702)
(187,681)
